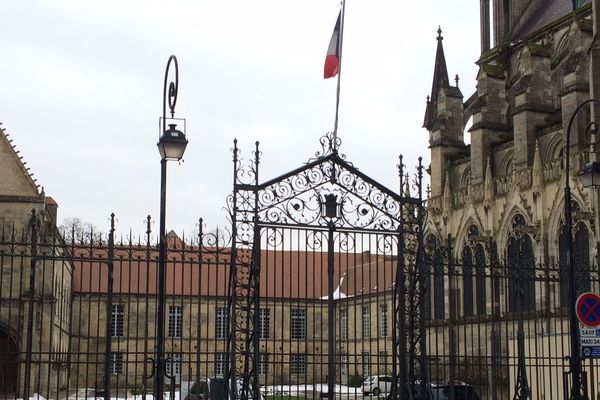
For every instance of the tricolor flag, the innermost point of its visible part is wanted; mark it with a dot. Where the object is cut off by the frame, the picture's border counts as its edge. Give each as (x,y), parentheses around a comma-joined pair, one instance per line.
(332,60)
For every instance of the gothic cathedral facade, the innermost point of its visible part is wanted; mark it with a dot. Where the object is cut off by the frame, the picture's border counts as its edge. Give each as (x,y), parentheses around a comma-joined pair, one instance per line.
(506,186)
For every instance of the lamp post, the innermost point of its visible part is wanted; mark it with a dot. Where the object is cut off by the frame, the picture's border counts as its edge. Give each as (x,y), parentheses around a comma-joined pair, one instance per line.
(332,211)
(588,175)
(171,146)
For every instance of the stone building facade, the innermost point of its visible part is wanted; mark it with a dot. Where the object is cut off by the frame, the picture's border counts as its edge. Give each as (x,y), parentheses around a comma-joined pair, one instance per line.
(530,81)
(502,193)
(293,330)
(23,208)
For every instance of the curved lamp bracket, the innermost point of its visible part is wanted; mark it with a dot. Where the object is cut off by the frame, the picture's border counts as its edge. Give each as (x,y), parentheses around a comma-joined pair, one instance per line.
(170,97)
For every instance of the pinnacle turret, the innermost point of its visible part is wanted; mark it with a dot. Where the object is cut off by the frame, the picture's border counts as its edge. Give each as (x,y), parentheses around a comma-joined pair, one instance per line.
(440,81)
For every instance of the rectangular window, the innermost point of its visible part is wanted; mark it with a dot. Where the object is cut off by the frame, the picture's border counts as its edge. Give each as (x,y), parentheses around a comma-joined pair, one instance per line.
(382,361)
(344,366)
(343,323)
(221,323)
(366,322)
(298,364)
(220,359)
(173,364)
(117,316)
(175,321)
(298,324)
(116,363)
(263,363)
(366,363)
(264,323)
(383,320)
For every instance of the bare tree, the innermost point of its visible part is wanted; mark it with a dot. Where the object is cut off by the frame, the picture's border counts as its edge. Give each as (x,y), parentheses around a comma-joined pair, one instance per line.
(75,228)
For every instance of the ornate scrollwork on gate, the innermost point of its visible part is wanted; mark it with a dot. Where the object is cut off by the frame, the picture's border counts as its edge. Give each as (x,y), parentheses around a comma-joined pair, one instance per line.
(298,198)
(329,145)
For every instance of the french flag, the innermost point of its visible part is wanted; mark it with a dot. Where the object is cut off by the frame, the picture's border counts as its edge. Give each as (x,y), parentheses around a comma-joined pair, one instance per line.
(332,60)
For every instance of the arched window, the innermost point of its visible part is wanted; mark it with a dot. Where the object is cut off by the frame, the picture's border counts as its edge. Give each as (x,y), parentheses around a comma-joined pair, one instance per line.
(465,179)
(581,258)
(436,257)
(480,280)
(521,267)
(563,275)
(467,281)
(474,302)
(506,164)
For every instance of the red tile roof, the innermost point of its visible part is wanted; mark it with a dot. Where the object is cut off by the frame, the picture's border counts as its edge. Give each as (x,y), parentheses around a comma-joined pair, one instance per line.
(284,274)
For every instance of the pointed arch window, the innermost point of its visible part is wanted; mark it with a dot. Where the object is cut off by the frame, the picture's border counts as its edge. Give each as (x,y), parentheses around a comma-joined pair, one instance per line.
(467,281)
(465,179)
(474,284)
(480,280)
(563,274)
(581,258)
(581,246)
(506,165)
(436,298)
(520,267)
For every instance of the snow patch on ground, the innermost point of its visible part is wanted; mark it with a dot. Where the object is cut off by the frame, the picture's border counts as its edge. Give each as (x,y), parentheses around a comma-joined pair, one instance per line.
(292,390)
(272,390)
(35,396)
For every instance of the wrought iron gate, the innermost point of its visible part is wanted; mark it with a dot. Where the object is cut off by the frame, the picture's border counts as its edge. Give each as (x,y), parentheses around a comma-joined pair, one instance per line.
(316,253)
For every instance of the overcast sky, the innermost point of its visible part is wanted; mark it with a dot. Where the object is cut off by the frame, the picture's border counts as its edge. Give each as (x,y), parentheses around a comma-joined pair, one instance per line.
(82,93)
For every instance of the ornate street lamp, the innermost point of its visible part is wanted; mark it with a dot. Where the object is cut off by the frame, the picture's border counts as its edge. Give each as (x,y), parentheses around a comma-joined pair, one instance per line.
(171,146)
(589,176)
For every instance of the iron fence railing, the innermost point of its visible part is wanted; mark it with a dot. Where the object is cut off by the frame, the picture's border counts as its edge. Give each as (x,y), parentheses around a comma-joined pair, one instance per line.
(55,313)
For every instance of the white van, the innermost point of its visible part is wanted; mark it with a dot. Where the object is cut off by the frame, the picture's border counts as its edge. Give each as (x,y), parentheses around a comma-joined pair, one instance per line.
(376,385)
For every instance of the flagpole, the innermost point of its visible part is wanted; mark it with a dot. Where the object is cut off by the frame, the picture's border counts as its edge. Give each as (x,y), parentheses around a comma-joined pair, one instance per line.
(339,76)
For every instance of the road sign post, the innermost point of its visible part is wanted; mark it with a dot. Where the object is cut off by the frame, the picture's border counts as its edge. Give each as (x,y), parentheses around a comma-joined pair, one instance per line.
(587,308)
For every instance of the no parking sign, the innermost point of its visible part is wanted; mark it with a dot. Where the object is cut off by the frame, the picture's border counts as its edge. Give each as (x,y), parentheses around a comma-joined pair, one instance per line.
(588,313)
(588,309)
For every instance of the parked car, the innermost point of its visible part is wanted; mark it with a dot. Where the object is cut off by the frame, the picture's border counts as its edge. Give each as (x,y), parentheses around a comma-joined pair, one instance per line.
(441,391)
(211,389)
(462,391)
(376,385)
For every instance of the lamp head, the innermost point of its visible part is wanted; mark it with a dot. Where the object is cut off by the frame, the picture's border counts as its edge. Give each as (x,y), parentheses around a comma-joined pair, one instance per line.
(172,143)
(590,175)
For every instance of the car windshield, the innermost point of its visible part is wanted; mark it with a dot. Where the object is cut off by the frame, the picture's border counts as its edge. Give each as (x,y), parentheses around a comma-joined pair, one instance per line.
(199,387)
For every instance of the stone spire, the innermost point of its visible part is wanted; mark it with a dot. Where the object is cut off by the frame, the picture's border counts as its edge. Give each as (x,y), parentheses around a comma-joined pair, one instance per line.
(407,186)
(440,81)
(537,178)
